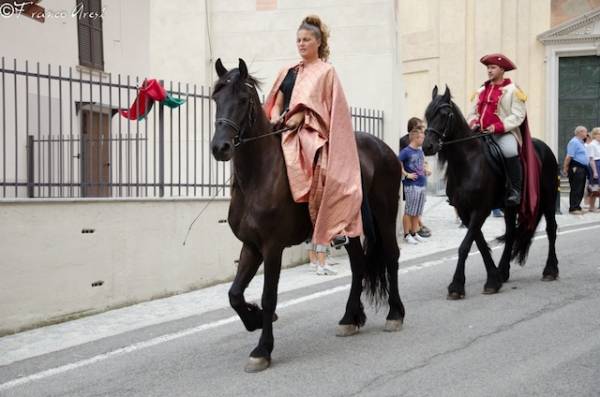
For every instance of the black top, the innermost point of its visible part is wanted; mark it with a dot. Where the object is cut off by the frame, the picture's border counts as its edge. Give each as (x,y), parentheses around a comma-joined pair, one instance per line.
(287,86)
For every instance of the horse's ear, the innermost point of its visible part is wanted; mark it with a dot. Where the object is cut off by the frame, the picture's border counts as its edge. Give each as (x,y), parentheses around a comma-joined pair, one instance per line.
(447,96)
(243,69)
(434,92)
(221,71)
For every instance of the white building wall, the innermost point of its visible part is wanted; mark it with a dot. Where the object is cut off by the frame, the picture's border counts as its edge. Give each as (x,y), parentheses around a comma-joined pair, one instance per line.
(48,264)
(179,45)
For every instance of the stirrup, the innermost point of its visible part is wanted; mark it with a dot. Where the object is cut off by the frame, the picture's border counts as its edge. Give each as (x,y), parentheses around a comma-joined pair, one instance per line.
(513,199)
(339,241)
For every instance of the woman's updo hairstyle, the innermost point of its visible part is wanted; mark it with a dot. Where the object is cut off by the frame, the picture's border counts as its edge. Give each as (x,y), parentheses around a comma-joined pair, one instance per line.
(313,23)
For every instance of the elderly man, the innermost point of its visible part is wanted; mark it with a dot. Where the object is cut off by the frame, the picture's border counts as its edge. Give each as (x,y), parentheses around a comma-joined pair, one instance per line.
(499,108)
(575,167)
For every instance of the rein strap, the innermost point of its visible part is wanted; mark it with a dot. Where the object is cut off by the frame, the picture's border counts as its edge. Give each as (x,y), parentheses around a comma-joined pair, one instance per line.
(253,138)
(444,143)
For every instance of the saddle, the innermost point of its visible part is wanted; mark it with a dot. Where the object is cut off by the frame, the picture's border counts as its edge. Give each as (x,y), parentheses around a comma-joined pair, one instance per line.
(494,157)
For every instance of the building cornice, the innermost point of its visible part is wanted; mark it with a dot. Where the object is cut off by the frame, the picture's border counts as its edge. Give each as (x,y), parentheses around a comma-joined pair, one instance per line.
(585,28)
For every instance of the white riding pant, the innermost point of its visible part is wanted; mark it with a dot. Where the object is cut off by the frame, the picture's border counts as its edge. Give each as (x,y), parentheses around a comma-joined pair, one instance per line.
(508,144)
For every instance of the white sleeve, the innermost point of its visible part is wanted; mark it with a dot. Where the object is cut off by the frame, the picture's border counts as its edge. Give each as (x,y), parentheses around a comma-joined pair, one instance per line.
(517,114)
(595,150)
(473,115)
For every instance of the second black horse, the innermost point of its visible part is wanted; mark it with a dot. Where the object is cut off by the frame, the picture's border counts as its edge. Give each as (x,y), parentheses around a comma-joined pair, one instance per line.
(475,189)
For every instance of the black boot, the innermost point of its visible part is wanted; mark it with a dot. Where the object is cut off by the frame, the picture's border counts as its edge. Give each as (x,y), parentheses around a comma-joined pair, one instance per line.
(339,241)
(514,174)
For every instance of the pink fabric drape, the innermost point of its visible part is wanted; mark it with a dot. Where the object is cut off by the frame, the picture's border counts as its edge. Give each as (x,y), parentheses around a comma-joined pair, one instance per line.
(321,155)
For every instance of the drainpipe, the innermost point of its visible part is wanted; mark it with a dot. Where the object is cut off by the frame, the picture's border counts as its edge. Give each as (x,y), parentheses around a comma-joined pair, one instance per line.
(210,61)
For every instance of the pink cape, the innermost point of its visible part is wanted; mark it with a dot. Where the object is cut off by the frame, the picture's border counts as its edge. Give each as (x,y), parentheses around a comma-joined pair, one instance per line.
(321,155)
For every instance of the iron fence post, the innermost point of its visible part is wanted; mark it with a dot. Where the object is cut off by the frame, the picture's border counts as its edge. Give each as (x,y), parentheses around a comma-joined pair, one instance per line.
(30,166)
(161,147)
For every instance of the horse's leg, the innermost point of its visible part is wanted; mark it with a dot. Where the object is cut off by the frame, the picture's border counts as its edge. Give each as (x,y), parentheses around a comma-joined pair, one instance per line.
(456,289)
(354,317)
(250,314)
(551,270)
(396,314)
(493,282)
(260,358)
(510,217)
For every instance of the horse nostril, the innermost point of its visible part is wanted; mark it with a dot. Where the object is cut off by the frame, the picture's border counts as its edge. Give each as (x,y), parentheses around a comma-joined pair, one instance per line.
(226,147)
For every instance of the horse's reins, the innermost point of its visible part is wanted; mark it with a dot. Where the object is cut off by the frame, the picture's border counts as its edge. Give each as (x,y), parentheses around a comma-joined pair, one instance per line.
(239,139)
(253,138)
(467,138)
(442,135)
(210,200)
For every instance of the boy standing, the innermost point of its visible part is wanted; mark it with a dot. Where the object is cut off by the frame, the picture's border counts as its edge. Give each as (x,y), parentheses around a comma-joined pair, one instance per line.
(412,160)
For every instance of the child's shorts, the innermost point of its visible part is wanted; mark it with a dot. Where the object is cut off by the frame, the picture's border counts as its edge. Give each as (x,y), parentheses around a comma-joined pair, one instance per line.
(415,200)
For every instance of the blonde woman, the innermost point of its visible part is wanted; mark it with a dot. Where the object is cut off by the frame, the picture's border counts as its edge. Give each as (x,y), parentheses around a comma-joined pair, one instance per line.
(320,149)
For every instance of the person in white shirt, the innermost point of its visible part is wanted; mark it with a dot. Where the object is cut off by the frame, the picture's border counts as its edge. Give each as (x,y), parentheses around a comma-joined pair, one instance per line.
(593,152)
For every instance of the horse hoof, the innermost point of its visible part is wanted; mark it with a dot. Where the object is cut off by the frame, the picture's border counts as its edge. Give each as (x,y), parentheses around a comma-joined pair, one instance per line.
(257,364)
(346,330)
(490,291)
(275,317)
(454,296)
(550,277)
(392,325)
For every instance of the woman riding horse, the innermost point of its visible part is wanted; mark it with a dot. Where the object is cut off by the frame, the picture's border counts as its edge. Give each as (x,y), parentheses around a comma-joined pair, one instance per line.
(320,148)
(265,216)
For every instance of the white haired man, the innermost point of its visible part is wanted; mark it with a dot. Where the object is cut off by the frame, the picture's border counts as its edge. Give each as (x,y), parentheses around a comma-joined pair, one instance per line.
(575,167)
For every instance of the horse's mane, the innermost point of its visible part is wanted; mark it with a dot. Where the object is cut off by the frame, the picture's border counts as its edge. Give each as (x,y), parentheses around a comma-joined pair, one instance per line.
(234,77)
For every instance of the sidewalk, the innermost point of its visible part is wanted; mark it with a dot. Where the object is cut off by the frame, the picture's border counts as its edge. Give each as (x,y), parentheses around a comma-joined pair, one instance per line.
(438,216)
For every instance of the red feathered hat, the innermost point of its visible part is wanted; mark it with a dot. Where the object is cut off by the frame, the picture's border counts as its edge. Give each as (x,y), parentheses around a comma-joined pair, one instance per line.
(499,60)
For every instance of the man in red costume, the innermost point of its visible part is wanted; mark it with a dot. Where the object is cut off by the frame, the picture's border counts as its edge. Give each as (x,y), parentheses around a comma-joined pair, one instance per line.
(499,108)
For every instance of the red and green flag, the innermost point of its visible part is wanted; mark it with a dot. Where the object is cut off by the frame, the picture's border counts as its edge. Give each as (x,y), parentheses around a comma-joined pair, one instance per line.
(149,92)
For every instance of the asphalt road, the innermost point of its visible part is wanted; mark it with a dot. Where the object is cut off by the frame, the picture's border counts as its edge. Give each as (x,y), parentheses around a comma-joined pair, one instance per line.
(533,338)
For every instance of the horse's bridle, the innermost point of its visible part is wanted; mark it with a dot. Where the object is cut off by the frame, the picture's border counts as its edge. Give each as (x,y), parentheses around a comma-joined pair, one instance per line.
(238,138)
(442,135)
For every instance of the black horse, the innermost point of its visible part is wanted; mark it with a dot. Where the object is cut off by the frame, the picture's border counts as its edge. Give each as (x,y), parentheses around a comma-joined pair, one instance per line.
(264,216)
(475,189)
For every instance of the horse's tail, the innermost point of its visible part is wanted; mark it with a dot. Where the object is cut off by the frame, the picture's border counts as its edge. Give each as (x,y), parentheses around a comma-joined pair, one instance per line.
(522,243)
(549,186)
(376,282)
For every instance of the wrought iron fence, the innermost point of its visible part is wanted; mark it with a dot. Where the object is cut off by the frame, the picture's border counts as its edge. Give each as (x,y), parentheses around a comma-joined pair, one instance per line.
(63,136)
